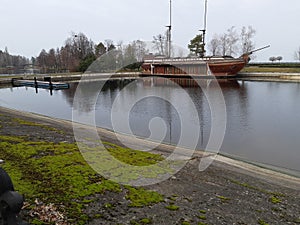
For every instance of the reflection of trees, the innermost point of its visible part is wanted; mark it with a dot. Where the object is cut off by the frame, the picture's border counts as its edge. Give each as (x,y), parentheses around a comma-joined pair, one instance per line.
(68,94)
(235,94)
(86,91)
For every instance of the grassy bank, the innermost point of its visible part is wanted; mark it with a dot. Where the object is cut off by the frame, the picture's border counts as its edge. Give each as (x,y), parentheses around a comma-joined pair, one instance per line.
(272,68)
(54,174)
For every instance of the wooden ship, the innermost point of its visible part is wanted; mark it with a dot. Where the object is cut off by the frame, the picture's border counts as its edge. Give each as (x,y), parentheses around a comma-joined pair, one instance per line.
(218,66)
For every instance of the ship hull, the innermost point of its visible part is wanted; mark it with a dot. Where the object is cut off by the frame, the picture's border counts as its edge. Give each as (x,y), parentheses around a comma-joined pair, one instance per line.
(219,67)
(226,68)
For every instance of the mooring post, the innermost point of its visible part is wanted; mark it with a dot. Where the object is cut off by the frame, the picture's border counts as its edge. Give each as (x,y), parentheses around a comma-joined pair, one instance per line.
(35,82)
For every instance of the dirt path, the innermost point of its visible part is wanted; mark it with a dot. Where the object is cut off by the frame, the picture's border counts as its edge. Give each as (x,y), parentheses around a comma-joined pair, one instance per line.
(228,192)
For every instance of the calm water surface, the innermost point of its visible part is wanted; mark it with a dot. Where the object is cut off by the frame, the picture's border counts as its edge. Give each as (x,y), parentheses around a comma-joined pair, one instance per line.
(263,118)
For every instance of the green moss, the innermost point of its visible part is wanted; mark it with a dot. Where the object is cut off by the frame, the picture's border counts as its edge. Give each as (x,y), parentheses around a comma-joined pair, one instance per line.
(275,200)
(201,223)
(108,205)
(202,217)
(132,157)
(57,173)
(98,216)
(172,207)
(202,211)
(126,165)
(185,223)
(29,123)
(11,139)
(223,198)
(262,222)
(140,197)
(145,221)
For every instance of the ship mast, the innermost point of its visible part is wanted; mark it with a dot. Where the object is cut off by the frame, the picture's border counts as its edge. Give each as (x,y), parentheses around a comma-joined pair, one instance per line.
(204,29)
(169,40)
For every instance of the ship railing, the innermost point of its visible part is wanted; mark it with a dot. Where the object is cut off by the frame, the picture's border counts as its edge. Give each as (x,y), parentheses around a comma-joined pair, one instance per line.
(175,60)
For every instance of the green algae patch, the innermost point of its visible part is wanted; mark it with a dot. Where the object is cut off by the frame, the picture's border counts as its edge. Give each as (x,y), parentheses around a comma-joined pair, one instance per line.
(132,157)
(275,200)
(172,207)
(140,197)
(262,222)
(54,173)
(127,166)
(34,124)
(223,198)
(57,173)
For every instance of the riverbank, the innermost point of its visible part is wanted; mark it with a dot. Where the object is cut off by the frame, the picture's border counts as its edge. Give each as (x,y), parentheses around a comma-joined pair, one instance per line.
(269,76)
(46,166)
(245,75)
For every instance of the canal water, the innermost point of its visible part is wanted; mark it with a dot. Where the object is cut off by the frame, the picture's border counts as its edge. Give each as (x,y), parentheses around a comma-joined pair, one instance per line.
(262,118)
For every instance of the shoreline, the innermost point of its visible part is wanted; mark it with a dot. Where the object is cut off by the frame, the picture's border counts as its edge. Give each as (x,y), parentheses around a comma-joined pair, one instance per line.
(231,163)
(243,76)
(227,192)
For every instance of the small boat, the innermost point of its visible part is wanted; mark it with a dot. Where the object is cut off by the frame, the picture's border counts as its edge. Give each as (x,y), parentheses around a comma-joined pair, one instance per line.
(203,66)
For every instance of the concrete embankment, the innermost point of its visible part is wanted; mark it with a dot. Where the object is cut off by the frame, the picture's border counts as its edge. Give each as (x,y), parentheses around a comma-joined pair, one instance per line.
(260,76)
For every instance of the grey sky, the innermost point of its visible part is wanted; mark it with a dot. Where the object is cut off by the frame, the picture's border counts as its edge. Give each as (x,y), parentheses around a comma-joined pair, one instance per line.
(29,26)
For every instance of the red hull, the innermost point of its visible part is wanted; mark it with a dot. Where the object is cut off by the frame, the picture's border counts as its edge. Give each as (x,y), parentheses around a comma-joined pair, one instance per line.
(195,66)
(226,68)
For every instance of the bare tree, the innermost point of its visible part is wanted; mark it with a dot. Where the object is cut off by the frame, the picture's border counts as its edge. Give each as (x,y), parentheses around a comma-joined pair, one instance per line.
(140,49)
(159,42)
(223,44)
(232,42)
(214,45)
(42,60)
(247,35)
(232,38)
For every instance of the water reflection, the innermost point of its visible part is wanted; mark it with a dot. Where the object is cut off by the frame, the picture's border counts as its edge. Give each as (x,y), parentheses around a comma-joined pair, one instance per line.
(263,118)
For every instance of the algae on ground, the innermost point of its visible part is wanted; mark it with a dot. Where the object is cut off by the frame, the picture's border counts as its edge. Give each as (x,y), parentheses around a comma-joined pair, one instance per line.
(127,166)
(57,173)
(140,197)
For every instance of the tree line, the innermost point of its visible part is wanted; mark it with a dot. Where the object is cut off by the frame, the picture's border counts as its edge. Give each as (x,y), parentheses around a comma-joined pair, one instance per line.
(76,55)
(79,53)
(11,63)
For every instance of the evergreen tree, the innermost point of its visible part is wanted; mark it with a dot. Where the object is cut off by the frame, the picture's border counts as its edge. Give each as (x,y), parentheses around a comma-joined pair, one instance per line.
(196,46)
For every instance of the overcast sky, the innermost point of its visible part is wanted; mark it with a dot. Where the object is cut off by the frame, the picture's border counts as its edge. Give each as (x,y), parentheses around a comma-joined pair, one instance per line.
(29,26)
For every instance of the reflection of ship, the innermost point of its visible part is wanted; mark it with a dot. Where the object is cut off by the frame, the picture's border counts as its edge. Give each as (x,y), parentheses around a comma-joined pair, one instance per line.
(219,66)
(188,82)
